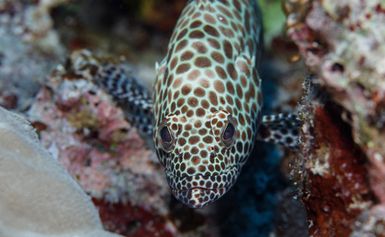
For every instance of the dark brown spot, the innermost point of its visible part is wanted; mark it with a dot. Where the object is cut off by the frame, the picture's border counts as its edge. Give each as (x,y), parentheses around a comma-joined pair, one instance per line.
(230,87)
(218,85)
(202,62)
(214,43)
(225,11)
(241,119)
(237,4)
(202,168)
(181,141)
(188,127)
(231,71)
(181,34)
(192,101)
(194,150)
(211,30)
(243,81)
(187,55)
(200,112)
(239,91)
(193,140)
(187,155)
(239,104)
(176,83)
(182,68)
(210,19)
(247,21)
(194,74)
(196,24)
(176,95)
(184,109)
(250,44)
(199,92)
(197,34)
(244,135)
(190,113)
(208,139)
(217,57)
(195,160)
(180,45)
(190,170)
(186,89)
(202,131)
(173,63)
(213,98)
(199,47)
(229,100)
(205,104)
(174,127)
(228,49)
(220,72)
(229,33)
(173,106)
(197,124)
(182,167)
(180,102)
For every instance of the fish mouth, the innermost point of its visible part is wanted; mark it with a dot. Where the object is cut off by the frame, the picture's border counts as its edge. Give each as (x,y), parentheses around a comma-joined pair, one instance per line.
(198,197)
(197,191)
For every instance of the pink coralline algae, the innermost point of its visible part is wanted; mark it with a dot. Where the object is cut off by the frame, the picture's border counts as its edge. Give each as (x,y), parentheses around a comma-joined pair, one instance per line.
(87,133)
(90,137)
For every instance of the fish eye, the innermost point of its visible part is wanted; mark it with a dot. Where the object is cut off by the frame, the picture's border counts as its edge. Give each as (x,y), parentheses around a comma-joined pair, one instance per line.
(166,138)
(165,135)
(228,134)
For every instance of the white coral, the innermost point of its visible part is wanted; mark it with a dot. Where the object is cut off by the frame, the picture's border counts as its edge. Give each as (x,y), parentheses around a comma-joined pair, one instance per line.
(38,197)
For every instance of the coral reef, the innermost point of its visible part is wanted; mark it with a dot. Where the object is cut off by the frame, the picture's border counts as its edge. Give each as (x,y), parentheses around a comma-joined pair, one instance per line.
(343,181)
(338,172)
(38,197)
(87,133)
(26,38)
(89,136)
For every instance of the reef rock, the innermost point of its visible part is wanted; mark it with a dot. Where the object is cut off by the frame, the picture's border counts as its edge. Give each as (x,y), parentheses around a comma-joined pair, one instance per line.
(87,133)
(29,49)
(342,165)
(38,197)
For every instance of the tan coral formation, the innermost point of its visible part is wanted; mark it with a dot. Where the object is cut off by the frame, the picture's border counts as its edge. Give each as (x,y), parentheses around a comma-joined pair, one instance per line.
(38,197)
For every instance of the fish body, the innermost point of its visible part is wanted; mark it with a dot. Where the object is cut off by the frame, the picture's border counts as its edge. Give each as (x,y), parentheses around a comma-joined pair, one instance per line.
(208,99)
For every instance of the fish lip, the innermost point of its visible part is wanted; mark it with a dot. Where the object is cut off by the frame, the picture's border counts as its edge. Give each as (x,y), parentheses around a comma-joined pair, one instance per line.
(200,188)
(180,194)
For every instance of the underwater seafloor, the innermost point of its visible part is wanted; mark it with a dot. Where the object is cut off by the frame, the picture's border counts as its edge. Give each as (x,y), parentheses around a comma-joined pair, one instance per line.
(324,59)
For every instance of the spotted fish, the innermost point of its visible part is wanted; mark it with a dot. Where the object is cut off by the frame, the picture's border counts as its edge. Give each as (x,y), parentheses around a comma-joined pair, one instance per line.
(205,112)
(208,99)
